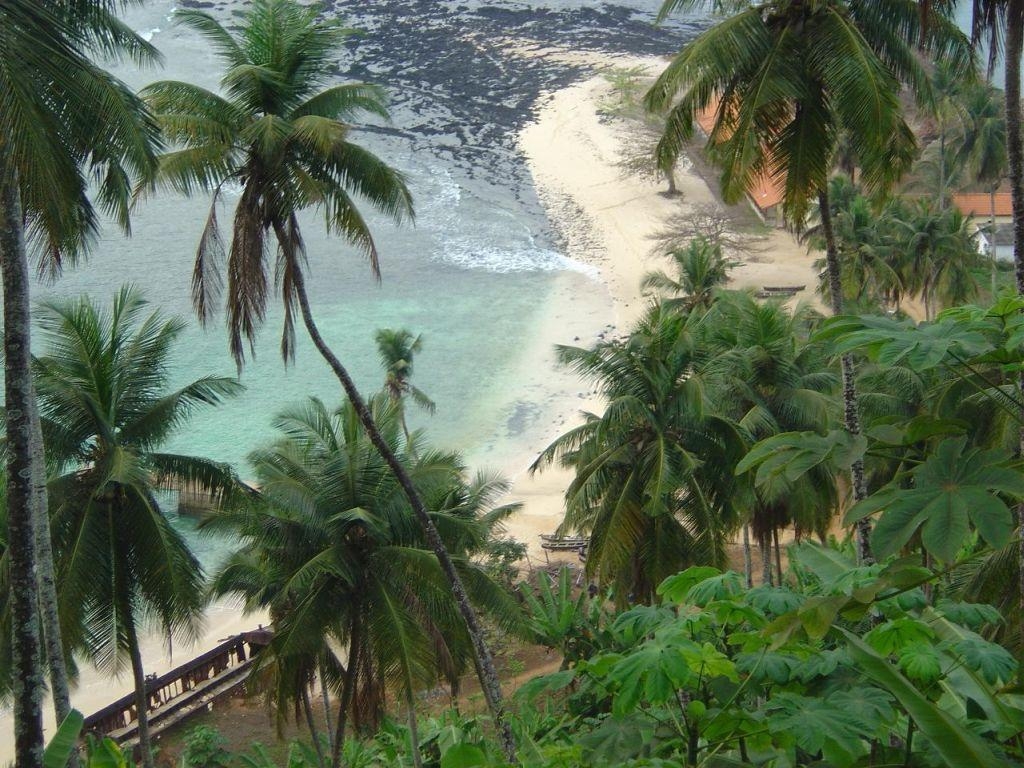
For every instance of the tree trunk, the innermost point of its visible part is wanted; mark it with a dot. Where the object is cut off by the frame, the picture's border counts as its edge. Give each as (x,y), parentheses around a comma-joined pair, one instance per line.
(765,545)
(414,732)
(851,412)
(355,637)
(27,681)
(1015,146)
(489,681)
(778,557)
(992,231)
(314,734)
(748,561)
(52,639)
(325,697)
(1015,155)
(139,676)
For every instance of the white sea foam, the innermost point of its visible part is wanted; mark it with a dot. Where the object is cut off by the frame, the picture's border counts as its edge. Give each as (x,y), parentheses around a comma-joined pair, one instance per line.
(149,33)
(505,260)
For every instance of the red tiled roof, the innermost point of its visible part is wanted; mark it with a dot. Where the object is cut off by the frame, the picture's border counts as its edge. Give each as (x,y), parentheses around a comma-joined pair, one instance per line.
(766,192)
(980,203)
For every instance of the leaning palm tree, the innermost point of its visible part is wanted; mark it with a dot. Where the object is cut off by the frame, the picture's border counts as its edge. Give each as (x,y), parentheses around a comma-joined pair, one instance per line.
(336,557)
(282,136)
(700,268)
(106,410)
(396,351)
(785,81)
(64,122)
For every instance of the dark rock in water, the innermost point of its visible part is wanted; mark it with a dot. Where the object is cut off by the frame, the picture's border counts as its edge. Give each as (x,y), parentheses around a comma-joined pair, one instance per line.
(461,76)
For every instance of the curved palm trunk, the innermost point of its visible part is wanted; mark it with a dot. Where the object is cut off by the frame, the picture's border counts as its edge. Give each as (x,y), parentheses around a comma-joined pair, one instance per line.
(851,413)
(52,640)
(27,672)
(488,675)
(139,677)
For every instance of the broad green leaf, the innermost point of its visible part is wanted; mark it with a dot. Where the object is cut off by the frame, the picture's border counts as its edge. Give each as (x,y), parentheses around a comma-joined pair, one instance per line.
(891,636)
(463,756)
(994,663)
(545,684)
(676,588)
(956,745)
(64,741)
(957,486)
(920,662)
(819,726)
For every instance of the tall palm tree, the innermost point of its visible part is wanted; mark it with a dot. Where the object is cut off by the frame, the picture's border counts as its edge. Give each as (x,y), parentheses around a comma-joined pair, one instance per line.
(653,485)
(106,410)
(769,380)
(700,268)
(336,556)
(788,80)
(64,122)
(282,136)
(396,349)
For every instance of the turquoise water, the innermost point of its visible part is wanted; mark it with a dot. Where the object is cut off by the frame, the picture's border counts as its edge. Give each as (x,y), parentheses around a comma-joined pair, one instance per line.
(478,273)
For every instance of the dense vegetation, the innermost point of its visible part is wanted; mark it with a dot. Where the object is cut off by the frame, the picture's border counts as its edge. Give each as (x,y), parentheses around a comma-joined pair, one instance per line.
(888,633)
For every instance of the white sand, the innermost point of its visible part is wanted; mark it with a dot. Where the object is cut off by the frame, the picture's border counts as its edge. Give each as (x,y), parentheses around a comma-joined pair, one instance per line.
(610,219)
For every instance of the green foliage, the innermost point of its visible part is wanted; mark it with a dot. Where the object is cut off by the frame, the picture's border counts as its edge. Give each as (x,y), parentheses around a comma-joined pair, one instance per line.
(64,742)
(204,748)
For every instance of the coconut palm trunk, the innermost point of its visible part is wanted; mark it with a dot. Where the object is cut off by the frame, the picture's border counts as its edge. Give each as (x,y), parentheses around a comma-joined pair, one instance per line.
(1015,141)
(992,231)
(748,564)
(27,671)
(139,679)
(355,637)
(48,611)
(851,413)
(414,731)
(314,733)
(489,681)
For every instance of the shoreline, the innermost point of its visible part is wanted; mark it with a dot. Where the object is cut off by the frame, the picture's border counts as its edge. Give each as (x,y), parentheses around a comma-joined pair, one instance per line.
(609,218)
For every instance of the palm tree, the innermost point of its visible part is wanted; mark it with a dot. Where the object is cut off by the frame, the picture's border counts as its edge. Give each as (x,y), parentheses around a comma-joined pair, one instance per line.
(789,79)
(106,409)
(700,268)
(653,485)
(983,149)
(63,121)
(870,264)
(769,380)
(397,349)
(940,248)
(336,556)
(284,140)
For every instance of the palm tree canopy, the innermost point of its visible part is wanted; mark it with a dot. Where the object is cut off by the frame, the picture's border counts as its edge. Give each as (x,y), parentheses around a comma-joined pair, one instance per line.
(106,409)
(700,267)
(786,79)
(68,124)
(334,538)
(396,349)
(652,487)
(280,131)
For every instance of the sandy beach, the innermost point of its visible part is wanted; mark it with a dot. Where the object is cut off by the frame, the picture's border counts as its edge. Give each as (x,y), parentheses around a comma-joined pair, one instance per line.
(610,218)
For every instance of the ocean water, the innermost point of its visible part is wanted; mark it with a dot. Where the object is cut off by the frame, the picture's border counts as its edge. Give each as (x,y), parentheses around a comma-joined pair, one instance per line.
(477,274)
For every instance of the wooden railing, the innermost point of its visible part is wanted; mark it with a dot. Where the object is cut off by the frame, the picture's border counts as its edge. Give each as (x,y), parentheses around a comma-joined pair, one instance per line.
(183,691)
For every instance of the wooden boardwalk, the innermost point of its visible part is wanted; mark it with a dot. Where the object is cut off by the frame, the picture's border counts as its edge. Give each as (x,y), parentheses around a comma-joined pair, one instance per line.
(182,692)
